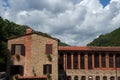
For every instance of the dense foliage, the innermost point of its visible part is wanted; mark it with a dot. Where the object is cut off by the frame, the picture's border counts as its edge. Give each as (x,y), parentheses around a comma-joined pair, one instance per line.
(109,39)
(62,44)
(8,30)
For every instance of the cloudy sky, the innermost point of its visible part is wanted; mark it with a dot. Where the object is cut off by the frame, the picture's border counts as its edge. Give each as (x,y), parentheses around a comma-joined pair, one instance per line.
(76,22)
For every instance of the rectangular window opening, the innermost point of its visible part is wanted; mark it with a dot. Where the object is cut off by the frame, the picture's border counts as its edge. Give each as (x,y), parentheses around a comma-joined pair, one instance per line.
(47,69)
(48,48)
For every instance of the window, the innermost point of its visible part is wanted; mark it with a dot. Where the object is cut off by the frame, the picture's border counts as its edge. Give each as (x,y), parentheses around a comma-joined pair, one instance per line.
(89,61)
(69,61)
(111,61)
(76,78)
(47,69)
(96,60)
(61,61)
(118,60)
(103,60)
(97,78)
(75,61)
(112,78)
(68,77)
(119,78)
(82,61)
(18,49)
(90,78)
(83,78)
(17,69)
(48,48)
(104,77)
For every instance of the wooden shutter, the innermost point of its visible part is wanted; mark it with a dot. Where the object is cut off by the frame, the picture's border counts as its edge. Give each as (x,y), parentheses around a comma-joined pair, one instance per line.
(23,50)
(44,69)
(50,68)
(21,70)
(12,49)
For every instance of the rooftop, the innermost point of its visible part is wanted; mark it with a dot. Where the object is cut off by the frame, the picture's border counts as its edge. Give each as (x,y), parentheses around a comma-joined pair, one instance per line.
(88,48)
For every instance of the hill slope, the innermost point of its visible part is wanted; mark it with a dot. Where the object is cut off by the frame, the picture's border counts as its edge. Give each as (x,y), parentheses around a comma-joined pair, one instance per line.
(7,30)
(109,39)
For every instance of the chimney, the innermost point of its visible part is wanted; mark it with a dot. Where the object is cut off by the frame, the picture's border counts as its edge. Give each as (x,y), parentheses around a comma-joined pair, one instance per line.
(28,30)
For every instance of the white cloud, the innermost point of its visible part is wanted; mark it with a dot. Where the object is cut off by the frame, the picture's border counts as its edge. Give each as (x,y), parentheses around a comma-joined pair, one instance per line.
(76,22)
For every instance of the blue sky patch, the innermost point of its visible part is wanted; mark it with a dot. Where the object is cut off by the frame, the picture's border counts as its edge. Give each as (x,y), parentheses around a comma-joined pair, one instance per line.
(104,2)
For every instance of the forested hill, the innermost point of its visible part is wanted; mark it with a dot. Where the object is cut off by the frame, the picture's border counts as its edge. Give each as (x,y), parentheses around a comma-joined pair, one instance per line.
(109,39)
(7,30)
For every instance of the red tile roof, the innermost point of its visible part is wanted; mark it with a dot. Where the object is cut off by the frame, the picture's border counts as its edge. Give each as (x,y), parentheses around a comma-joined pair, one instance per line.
(88,48)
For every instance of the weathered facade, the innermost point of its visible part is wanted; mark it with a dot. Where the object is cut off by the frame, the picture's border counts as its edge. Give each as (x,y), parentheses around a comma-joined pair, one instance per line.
(89,63)
(34,56)
(31,54)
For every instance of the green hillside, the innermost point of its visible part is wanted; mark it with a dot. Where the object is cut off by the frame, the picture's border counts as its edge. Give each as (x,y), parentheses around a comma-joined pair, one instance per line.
(109,39)
(7,30)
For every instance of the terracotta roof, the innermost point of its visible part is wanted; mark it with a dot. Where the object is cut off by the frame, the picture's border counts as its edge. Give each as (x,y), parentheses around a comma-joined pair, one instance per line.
(88,48)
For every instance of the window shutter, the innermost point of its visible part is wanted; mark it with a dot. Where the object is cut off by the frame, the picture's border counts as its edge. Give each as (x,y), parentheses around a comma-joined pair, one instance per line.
(13,49)
(23,50)
(44,69)
(21,70)
(50,68)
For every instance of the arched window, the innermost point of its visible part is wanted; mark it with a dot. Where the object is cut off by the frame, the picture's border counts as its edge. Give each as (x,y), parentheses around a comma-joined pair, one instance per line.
(112,78)
(97,78)
(68,77)
(119,78)
(90,78)
(104,77)
(76,78)
(83,78)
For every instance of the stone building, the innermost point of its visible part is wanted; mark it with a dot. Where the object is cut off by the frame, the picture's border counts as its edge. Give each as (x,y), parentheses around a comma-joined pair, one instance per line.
(33,56)
(89,63)
(37,56)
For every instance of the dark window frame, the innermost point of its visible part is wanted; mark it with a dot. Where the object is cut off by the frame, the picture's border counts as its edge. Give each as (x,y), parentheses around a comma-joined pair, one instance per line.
(104,77)
(69,66)
(118,77)
(75,61)
(22,49)
(118,60)
(111,62)
(96,60)
(69,78)
(17,69)
(82,60)
(112,78)
(83,77)
(47,68)
(97,78)
(61,60)
(76,78)
(89,60)
(103,60)
(49,49)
